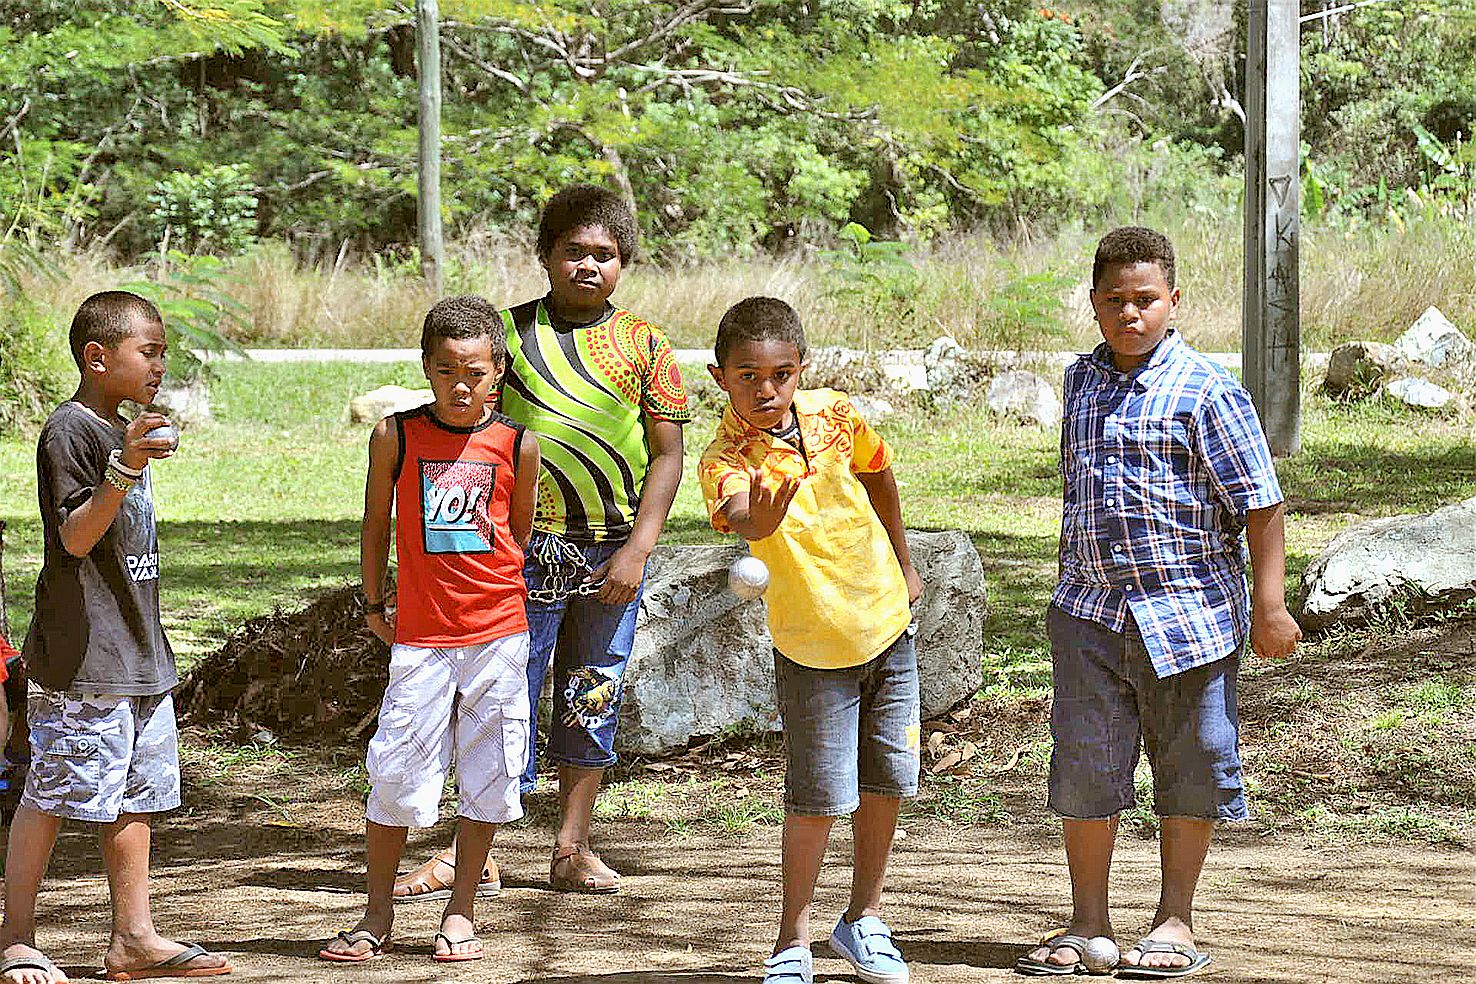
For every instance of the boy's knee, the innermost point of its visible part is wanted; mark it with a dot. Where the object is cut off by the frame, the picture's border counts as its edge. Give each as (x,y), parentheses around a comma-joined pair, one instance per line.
(404,804)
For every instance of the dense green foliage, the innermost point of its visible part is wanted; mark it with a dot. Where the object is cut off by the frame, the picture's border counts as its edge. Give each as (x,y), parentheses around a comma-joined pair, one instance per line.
(733,124)
(729,122)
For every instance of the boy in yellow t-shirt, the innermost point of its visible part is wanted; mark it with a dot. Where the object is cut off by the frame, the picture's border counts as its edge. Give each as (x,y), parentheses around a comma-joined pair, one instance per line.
(807,482)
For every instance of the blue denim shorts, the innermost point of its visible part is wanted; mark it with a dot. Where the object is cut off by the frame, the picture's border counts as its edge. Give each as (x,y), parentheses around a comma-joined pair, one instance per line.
(1108,697)
(850,731)
(584,642)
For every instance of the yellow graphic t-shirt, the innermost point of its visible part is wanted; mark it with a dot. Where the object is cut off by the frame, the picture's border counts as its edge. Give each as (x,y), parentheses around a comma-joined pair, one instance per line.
(836,595)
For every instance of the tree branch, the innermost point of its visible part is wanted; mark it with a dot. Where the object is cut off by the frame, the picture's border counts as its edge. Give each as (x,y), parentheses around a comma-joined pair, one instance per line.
(1325,14)
(695,10)
(20,114)
(781,97)
(1133,75)
(485,66)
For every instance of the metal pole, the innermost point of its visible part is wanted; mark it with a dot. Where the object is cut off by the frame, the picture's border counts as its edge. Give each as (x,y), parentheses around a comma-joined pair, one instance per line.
(1270,327)
(428,60)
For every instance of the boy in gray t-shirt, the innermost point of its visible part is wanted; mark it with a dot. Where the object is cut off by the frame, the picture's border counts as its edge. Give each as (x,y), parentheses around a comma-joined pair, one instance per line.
(102,733)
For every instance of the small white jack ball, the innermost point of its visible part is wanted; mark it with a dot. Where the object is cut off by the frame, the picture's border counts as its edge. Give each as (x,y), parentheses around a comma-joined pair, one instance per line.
(748,577)
(1100,955)
(167,432)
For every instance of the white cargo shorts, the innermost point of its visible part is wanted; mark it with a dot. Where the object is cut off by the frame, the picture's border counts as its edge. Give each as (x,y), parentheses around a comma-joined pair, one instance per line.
(469,705)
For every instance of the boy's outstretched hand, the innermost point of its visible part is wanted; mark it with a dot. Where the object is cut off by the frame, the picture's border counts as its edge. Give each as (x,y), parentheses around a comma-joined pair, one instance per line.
(1274,633)
(767,506)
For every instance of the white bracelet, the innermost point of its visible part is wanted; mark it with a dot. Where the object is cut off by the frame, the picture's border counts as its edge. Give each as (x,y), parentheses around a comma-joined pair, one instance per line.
(115,460)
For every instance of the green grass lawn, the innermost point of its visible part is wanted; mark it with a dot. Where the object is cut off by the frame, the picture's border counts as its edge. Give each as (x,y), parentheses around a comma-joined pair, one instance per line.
(262,507)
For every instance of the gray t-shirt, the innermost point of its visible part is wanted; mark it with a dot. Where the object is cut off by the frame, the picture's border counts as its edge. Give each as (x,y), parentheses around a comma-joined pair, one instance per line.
(96,628)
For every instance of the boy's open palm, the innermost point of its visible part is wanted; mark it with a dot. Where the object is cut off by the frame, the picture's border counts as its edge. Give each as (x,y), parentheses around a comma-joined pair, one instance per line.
(1274,634)
(767,506)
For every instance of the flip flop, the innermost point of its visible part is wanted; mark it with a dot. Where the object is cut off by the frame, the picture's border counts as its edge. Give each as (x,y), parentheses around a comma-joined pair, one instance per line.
(172,967)
(1198,960)
(426,882)
(1044,968)
(456,957)
(378,947)
(39,962)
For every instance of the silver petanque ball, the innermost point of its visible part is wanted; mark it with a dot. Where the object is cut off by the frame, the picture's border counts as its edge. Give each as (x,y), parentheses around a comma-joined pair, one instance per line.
(748,577)
(1101,955)
(166,432)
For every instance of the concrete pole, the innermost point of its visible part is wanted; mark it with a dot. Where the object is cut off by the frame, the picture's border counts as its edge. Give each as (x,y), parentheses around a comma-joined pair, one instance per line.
(428,60)
(1271,320)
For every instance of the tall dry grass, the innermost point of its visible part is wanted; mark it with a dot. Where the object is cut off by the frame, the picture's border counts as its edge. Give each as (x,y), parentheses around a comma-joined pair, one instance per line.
(1358,282)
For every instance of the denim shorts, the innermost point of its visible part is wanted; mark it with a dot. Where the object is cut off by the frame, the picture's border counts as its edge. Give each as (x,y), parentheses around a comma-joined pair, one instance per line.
(850,731)
(584,642)
(1108,697)
(95,756)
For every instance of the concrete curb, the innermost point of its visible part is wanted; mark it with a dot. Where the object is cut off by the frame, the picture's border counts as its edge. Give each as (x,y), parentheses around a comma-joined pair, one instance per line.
(1230,360)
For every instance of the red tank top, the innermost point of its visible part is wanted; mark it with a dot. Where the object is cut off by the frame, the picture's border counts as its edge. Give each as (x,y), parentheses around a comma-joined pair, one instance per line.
(460,570)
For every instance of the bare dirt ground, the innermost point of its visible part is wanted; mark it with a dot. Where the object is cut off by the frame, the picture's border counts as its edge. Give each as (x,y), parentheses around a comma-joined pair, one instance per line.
(265,862)
(700,907)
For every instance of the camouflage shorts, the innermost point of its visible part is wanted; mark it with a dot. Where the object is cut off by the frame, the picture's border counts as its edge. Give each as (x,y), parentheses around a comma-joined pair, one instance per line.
(94,756)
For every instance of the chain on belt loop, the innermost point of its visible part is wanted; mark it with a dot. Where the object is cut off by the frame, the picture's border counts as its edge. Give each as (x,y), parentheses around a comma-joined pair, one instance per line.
(564,570)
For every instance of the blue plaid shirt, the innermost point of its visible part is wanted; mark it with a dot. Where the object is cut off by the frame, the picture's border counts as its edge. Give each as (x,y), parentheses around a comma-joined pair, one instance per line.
(1160,466)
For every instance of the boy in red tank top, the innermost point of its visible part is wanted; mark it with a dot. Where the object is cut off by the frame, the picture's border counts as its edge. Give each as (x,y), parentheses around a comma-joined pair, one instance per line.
(461,478)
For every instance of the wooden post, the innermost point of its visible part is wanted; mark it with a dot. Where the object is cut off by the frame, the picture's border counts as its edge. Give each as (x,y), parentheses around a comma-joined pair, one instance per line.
(1270,326)
(428,61)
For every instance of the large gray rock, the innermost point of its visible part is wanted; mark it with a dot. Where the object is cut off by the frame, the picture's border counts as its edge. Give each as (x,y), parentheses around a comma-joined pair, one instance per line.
(703,662)
(1431,557)
(1358,369)
(949,375)
(1024,396)
(1420,394)
(186,402)
(377,404)
(1433,340)
(873,409)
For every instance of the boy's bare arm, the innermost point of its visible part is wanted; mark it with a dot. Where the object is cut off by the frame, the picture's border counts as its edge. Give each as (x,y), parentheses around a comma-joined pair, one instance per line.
(379,498)
(86,524)
(525,490)
(881,489)
(622,573)
(1274,632)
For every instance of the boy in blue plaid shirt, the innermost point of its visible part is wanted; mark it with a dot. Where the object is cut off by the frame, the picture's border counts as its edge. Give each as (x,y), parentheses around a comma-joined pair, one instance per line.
(1164,466)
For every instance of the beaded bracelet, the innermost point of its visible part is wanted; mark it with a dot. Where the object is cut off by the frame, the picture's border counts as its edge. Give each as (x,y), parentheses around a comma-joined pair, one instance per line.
(118,480)
(373,607)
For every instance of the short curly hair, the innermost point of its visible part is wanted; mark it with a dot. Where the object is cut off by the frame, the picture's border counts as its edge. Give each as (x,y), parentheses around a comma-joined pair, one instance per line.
(758,319)
(107,318)
(579,206)
(1134,244)
(465,316)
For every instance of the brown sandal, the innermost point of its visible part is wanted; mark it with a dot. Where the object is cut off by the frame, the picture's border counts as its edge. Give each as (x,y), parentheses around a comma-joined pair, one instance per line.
(433,880)
(582,871)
